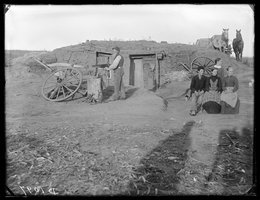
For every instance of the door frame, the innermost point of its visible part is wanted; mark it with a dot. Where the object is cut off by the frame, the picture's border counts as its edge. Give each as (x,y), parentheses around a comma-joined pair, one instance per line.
(132,57)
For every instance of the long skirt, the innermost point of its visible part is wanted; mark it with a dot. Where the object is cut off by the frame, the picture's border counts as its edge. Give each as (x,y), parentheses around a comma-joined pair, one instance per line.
(227,109)
(211,102)
(212,107)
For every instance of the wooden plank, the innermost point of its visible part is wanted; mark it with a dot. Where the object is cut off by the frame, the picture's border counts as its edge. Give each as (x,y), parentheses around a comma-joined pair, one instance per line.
(159,73)
(156,72)
(94,88)
(46,66)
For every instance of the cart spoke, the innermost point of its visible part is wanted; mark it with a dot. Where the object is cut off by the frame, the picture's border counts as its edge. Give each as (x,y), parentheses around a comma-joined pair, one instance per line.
(68,88)
(58,93)
(76,85)
(208,63)
(75,74)
(74,82)
(65,73)
(66,80)
(211,65)
(53,93)
(196,64)
(207,70)
(205,60)
(63,91)
(75,77)
(51,90)
(69,72)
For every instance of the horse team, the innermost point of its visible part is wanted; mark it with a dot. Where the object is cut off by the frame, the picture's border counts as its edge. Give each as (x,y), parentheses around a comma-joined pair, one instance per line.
(220,42)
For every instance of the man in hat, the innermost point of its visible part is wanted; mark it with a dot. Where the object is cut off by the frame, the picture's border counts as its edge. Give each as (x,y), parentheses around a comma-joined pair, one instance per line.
(197,87)
(117,67)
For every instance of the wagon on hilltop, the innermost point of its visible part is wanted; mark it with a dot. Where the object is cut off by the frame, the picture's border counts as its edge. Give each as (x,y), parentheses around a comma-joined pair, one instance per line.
(219,42)
(67,79)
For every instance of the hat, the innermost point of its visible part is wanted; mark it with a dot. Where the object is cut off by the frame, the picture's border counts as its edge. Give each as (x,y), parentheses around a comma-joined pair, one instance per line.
(116,48)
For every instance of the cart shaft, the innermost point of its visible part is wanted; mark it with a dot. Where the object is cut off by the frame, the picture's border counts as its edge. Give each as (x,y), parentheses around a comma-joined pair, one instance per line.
(46,66)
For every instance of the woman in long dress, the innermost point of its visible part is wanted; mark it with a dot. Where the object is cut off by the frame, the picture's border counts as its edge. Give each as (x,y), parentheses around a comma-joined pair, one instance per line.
(211,98)
(230,102)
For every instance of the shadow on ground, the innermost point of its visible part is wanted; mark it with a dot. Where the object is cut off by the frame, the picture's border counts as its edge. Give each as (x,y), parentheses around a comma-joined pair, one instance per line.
(157,174)
(233,165)
(108,92)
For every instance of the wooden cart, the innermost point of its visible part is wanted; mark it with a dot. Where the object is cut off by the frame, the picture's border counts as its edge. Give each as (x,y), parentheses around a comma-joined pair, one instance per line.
(64,81)
(204,62)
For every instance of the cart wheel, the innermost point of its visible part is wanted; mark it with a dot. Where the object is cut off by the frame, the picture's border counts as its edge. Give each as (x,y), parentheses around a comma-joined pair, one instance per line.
(62,84)
(204,62)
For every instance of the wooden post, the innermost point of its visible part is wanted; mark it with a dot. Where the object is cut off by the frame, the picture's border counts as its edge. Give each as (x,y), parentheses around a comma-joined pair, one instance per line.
(157,72)
(96,70)
(94,88)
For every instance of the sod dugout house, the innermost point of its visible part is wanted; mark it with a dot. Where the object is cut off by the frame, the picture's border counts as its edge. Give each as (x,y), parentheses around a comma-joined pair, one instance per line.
(141,68)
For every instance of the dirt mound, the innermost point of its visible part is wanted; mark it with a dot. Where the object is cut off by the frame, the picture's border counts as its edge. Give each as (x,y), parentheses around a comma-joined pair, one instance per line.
(140,102)
(84,54)
(25,66)
(10,55)
(146,99)
(48,58)
(174,89)
(34,66)
(22,72)
(176,76)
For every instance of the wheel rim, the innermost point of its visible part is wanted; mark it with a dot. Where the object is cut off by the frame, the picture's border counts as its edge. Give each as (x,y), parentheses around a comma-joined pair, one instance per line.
(204,62)
(62,84)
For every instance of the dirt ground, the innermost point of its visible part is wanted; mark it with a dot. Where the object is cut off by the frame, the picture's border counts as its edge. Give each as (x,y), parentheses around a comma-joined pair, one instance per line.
(143,145)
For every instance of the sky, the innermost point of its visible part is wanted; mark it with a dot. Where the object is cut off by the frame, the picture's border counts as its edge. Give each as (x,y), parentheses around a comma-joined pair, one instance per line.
(47,27)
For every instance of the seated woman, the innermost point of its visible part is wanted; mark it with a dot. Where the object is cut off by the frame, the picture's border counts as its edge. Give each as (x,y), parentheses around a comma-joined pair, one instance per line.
(211,98)
(230,102)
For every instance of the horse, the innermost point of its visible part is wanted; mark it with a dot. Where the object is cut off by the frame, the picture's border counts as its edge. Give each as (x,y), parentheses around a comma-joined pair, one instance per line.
(238,45)
(220,42)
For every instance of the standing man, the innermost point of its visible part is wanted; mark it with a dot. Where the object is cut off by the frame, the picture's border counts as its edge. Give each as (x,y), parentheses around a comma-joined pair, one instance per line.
(197,87)
(117,67)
